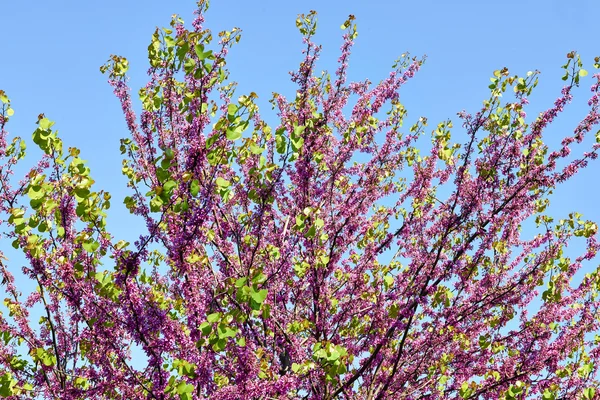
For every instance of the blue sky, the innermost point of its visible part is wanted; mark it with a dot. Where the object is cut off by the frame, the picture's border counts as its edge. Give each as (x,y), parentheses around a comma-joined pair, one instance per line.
(51,52)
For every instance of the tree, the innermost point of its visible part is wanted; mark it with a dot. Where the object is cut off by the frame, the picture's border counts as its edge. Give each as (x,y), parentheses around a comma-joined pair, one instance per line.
(322,258)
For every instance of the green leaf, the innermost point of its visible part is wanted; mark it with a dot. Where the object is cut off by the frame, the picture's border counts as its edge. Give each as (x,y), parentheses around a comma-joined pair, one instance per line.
(589,393)
(185,368)
(45,357)
(43,227)
(280,140)
(484,342)
(189,65)
(297,143)
(548,395)
(81,194)
(205,327)
(465,390)
(214,317)
(389,280)
(45,123)
(333,355)
(225,331)
(222,183)
(6,337)
(182,51)
(6,385)
(169,186)
(36,192)
(259,296)
(298,130)
(259,278)
(194,187)
(183,387)
(254,149)
(241,282)
(199,49)
(18,363)
(155,204)
(583,72)
(233,134)
(169,41)
(81,382)
(185,396)
(220,344)
(232,109)
(90,245)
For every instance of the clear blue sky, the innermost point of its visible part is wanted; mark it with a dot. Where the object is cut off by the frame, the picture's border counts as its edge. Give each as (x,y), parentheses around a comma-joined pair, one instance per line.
(51,52)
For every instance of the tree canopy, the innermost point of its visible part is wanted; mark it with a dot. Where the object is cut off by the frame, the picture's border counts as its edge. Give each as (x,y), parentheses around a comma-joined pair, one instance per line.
(336,254)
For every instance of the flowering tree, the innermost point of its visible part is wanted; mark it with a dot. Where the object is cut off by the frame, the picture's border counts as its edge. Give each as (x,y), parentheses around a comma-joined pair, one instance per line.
(321,258)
